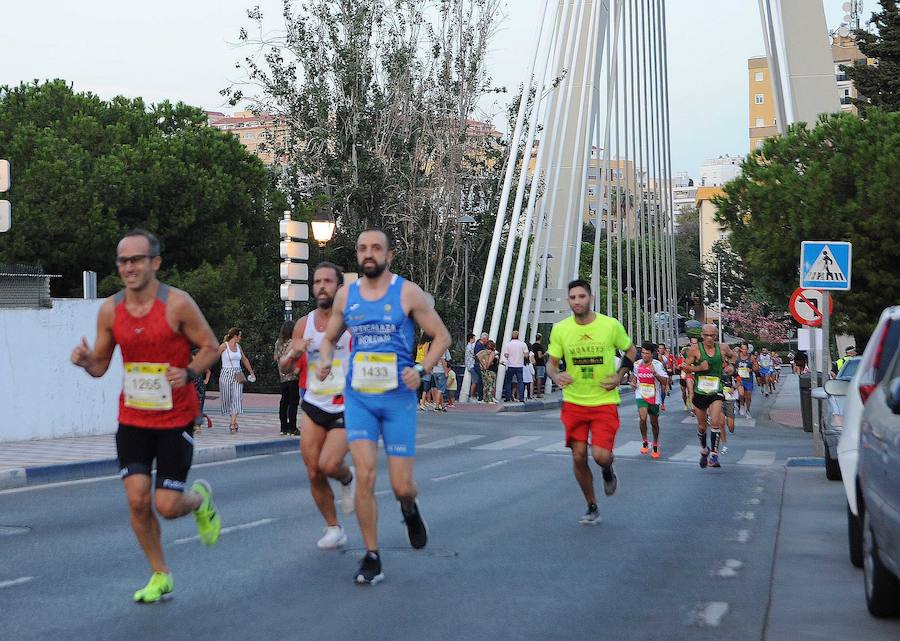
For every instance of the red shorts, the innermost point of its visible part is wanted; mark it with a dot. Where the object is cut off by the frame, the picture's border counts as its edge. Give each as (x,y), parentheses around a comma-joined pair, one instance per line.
(602,421)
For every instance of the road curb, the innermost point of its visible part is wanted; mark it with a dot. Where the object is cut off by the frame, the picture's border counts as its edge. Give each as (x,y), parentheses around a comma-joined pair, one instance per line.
(532,406)
(45,474)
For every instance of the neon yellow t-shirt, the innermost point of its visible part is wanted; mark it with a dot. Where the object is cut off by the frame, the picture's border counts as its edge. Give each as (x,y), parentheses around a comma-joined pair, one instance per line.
(590,354)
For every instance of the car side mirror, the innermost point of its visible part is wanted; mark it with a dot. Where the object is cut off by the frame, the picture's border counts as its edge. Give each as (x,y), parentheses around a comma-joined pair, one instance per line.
(893,397)
(835,387)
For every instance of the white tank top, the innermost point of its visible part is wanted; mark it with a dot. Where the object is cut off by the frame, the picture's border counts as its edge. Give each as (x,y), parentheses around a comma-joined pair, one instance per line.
(231,360)
(328,395)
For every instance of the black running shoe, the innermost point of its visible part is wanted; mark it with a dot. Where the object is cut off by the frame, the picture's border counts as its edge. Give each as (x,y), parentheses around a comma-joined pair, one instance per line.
(610,480)
(704,454)
(369,572)
(415,527)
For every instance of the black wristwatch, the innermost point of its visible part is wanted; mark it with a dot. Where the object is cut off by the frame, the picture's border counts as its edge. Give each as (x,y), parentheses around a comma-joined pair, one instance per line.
(191,374)
(418,367)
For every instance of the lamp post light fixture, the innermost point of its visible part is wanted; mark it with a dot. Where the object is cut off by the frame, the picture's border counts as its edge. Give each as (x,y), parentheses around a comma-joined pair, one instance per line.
(323,227)
(466,221)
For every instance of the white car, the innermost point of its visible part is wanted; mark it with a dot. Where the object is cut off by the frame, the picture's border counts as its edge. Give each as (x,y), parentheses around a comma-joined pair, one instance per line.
(872,368)
(832,424)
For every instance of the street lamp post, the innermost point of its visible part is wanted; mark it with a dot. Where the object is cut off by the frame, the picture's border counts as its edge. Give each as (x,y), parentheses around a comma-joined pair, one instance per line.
(466,221)
(322,229)
(719,272)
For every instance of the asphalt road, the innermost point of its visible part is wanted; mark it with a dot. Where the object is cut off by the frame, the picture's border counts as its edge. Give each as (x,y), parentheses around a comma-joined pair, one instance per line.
(682,553)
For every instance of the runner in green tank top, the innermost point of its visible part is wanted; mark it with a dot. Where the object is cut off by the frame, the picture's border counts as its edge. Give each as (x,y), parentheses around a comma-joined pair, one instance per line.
(708,361)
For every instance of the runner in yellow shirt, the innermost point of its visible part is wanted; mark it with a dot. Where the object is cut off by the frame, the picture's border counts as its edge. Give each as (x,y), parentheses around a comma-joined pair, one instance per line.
(588,342)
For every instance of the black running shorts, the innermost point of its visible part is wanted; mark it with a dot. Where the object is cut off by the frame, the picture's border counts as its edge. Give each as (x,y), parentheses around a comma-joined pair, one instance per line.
(703,401)
(172,448)
(322,418)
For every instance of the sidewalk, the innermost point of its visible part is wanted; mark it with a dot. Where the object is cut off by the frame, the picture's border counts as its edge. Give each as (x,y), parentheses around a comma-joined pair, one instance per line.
(786,407)
(816,593)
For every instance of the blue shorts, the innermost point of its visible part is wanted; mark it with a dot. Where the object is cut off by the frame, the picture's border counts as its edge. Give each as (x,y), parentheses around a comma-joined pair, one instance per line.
(747,383)
(439,381)
(765,371)
(540,371)
(392,416)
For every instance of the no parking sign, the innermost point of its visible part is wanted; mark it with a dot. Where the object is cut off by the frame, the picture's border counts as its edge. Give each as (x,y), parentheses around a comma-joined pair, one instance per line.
(806,306)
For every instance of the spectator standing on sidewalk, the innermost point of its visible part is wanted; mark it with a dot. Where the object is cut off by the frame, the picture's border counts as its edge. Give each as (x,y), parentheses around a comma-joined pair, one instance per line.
(488,359)
(290,391)
(201,380)
(528,376)
(232,377)
(514,352)
(439,381)
(473,368)
(540,365)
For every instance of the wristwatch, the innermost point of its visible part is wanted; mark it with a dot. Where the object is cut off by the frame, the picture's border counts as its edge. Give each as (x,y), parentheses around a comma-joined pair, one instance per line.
(418,367)
(190,373)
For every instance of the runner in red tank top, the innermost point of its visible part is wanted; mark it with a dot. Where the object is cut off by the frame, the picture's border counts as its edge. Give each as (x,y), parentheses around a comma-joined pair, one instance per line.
(154,326)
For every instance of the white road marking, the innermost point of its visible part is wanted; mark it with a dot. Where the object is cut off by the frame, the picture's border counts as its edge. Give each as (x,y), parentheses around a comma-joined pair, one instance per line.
(507,443)
(631,448)
(744,516)
(227,530)
(453,441)
(482,468)
(710,614)
(235,460)
(554,448)
(12,582)
(753,501)
(757,457)
(758,489)
(742,536)
(688,453)
(729,568)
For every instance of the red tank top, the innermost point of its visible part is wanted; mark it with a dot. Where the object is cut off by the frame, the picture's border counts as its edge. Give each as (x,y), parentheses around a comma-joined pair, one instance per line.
(149,339)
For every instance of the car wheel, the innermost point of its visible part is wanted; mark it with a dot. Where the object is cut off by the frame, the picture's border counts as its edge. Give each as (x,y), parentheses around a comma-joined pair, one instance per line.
(854,537)
(882,587)
(832,468)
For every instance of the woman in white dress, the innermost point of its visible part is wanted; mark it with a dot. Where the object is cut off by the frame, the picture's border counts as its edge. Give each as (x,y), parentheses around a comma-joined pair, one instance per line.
(232,377)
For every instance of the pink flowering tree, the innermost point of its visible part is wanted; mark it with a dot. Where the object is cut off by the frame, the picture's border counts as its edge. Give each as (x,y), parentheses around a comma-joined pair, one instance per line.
(750,320)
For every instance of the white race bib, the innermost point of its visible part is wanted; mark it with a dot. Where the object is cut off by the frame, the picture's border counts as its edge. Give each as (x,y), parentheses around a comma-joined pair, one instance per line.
(648,392)
(333,384)
(744,372)
(374,373)
(708,384)
(146,386)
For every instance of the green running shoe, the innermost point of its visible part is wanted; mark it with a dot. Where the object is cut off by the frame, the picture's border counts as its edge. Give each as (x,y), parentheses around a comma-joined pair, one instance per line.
(157,588)
(209,524)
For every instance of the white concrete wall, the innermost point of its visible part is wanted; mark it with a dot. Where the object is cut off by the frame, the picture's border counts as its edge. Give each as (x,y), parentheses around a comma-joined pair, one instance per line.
(44,395)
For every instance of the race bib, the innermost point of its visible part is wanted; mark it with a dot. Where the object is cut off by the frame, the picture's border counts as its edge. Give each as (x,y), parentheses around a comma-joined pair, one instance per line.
(744,372)
(648,392)
(374,373)
(146,386)
(333,385)
(708,385)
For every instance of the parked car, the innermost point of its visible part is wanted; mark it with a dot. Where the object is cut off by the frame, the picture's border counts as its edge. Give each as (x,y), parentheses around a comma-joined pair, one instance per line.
(870,372)
(879,483)
(832,424)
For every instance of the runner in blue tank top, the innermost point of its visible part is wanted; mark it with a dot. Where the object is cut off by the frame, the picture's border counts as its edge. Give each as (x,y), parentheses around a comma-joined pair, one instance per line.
(381,310)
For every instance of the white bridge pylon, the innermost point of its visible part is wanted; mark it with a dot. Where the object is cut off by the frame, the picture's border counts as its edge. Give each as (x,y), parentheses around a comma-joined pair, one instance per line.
(590,146)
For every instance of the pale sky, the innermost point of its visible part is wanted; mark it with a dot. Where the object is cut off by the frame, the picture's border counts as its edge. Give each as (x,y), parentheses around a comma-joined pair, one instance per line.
(183,50)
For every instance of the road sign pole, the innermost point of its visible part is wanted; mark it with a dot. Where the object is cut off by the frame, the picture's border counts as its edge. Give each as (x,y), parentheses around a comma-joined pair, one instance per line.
(826,341)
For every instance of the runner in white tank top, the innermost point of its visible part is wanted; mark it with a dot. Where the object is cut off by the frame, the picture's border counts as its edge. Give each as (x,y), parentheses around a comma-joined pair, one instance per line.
(324,440)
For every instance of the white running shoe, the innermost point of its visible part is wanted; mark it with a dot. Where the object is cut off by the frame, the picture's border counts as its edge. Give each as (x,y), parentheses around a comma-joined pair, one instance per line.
(348,492)
(333,538)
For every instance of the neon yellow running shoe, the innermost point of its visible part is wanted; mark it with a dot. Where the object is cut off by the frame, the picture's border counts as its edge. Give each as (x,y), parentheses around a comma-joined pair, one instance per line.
(209,524)
(157,588)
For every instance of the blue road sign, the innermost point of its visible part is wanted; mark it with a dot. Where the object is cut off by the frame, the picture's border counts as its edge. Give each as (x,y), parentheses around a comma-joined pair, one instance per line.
(825,264)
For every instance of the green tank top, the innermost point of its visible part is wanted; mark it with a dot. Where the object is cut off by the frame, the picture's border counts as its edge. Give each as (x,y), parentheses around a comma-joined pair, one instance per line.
(709,383)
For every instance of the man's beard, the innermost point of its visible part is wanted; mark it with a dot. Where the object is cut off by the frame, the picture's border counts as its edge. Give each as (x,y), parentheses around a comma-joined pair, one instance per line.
(373,269)
(325,303)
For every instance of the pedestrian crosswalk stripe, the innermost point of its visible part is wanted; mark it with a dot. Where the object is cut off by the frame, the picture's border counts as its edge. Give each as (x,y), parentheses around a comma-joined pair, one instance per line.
(631,448)
(507,443)
(453,441)
(554,447)
(738,422)
(757,457)
(688,453)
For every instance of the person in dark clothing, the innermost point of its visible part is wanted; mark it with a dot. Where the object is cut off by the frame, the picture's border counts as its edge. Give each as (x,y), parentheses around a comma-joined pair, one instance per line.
(290,391)
(540,365)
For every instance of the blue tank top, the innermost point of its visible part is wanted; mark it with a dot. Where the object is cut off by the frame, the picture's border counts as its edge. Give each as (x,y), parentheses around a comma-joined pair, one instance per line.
(380,326)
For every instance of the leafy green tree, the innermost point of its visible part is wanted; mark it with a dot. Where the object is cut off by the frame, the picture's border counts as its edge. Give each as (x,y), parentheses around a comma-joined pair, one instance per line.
(87,170)
(837,180)
(687,258)
(879,85)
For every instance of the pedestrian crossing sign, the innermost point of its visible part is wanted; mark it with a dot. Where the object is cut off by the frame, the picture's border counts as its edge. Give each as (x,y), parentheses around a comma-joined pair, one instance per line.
(825,264)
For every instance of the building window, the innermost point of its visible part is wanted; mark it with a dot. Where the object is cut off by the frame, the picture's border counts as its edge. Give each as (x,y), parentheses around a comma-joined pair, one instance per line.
(759,144)
(248,136)
(760,99)
(760,122)
(759,76)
